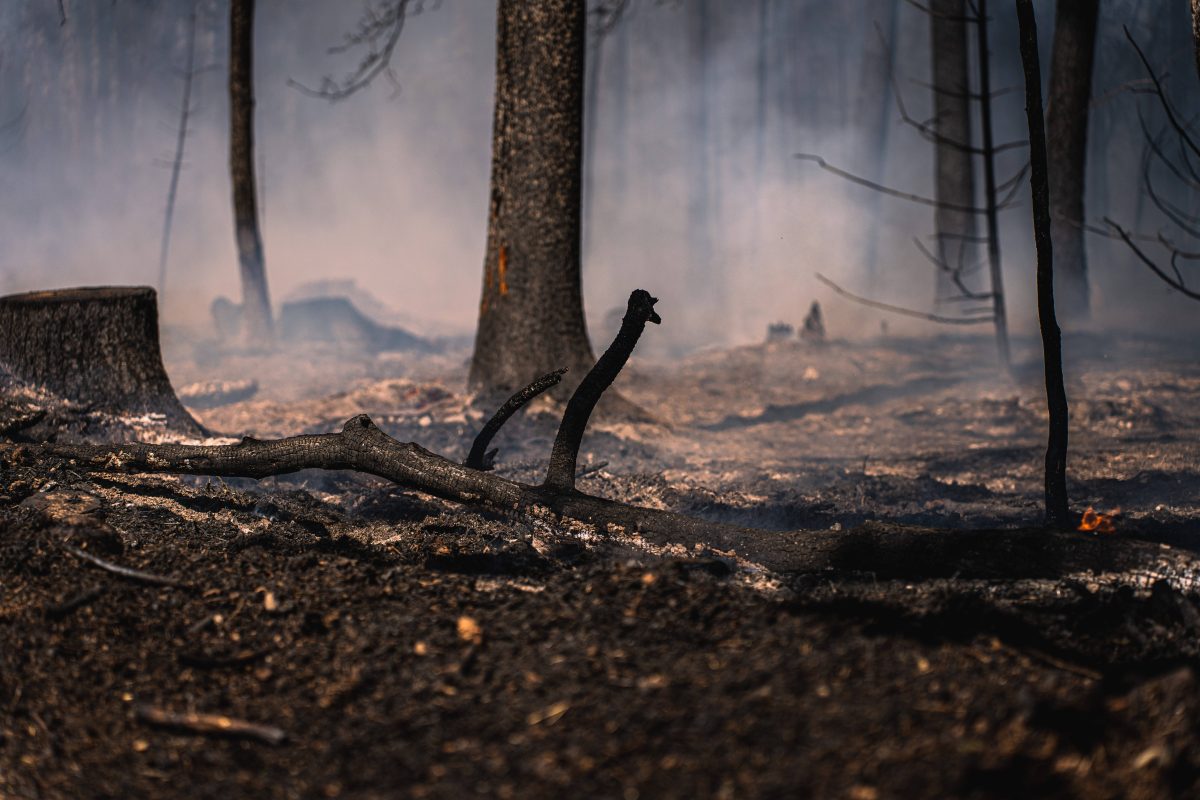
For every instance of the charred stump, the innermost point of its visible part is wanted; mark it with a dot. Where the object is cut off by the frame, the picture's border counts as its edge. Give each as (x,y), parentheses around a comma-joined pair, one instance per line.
(96,346)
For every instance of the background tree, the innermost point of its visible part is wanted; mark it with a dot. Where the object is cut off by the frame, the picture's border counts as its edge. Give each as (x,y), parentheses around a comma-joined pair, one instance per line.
(1067,130)
(955,184)
(256,303)
(531,311)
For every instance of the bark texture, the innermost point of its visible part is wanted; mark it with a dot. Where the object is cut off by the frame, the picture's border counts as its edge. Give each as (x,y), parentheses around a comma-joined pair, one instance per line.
(256,303)
(1067,130)
(1057,514)
(94,346)
(952,126)
(531,313)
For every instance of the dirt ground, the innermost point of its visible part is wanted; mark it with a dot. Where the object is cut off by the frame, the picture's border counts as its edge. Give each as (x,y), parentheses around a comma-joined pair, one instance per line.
(347,638)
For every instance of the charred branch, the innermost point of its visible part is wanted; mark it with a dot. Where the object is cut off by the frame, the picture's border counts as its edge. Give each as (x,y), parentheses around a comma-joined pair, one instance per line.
(878,187)
(907,312)
(560,476)
(378,33)
(480,457)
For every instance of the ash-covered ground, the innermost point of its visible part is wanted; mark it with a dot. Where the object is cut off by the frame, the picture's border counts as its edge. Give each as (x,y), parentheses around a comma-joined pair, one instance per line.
(405,646)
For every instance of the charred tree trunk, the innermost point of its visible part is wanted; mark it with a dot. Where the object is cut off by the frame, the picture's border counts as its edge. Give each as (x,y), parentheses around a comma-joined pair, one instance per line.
(94,346)
(955,229)
(531,313)
(1057,513)
(1067,130)
(256,303)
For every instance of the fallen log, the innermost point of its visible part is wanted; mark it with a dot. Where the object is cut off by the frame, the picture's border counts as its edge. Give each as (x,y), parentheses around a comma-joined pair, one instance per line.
(879,550)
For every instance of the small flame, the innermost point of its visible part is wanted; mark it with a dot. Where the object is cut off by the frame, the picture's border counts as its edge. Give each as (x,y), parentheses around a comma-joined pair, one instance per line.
(1095,522)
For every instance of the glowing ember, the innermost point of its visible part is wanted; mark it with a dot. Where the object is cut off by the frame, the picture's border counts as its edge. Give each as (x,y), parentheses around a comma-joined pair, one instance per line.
(1095,522)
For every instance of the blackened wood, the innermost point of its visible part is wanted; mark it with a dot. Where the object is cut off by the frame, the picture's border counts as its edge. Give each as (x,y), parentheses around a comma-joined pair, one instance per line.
(886,551)
(560,476)
(96,346)
(480,457)
(256,304)
(1066,131)
(1057,513)
(531,312)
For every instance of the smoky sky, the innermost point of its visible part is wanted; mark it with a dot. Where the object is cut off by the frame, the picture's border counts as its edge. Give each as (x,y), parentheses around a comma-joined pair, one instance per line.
(695,109)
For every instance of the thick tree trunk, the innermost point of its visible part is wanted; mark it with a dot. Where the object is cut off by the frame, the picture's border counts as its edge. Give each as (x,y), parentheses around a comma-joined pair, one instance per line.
(952,124)
(1057,513)
(256,303)
(1066,132)
(531,313)
(94,346)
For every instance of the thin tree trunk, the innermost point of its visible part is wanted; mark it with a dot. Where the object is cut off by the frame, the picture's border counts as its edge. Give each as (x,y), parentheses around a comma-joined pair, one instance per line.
(761,77)
(1057,513)
(531,313)
(256,304)
(877,103)
(1067,131)
(955,230)
(996,273)
(700,192)
(184,112)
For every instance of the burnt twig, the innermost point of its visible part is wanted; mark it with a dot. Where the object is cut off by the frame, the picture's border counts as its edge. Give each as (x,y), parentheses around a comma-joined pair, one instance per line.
(127,573)
(211,725)
(480,457)
(563,457)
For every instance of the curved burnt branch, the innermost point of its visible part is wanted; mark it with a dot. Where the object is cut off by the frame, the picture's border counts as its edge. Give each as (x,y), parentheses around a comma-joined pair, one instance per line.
(480,457)
(563,457)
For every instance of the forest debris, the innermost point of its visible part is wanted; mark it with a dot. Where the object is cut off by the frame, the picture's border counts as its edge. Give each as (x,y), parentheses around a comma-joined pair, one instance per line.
(210,725)
(125,572)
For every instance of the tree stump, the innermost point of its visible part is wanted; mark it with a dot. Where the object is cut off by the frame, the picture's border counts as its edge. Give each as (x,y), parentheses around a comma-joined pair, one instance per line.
(95,346)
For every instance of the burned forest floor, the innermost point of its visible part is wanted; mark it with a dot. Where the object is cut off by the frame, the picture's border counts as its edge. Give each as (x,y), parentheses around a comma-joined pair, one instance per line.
(331,635)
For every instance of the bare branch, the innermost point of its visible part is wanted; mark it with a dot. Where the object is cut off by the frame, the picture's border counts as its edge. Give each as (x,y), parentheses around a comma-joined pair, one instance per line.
(1174,283)
(378,31)
(480,457)
(1162,97)
(908,312)
(915,198)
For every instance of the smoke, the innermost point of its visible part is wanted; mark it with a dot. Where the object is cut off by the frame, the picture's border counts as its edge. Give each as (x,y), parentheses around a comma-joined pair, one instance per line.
(692,188)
